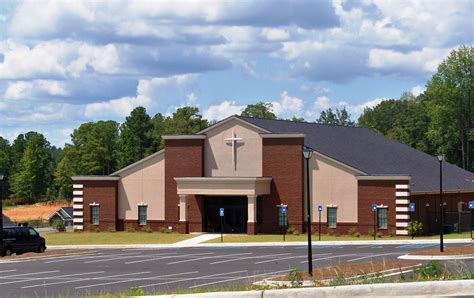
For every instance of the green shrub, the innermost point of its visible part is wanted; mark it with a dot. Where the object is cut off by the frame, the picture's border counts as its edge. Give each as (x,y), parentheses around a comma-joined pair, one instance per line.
(129,228)
(371,232)
(296,278)
(357,235)
(353,231)
(432,270)
(292,230)
(147,229)
(135,292)
(111,229)
(415,228)
(94,229)
(164,230)
(392,233)
(58,225)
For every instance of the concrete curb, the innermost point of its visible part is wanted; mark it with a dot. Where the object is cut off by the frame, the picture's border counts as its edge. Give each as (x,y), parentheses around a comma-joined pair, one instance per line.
(417,289)
(268,244)
(439,258)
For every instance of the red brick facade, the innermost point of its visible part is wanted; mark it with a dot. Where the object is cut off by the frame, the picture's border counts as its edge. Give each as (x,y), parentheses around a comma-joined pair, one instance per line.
(183,158)
(104,193)
(283,161)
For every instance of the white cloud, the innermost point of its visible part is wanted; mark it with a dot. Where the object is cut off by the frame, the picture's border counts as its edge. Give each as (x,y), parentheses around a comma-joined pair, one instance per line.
(275,34)
(287,106)
(116,107)
(223,110)
(322,103)
(417,90)
(33,89)
(357,109)
(425,60)
(191,99)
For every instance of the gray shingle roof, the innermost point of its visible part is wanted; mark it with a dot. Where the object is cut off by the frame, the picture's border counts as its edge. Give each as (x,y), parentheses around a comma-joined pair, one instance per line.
(373,154)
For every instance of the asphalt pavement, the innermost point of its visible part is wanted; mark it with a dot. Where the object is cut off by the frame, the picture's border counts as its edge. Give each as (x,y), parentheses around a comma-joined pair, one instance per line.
(166,269)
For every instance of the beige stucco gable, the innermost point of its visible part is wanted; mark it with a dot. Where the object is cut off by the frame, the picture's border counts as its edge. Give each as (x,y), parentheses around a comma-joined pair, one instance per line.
(333,184)
(143,183)
(218,151)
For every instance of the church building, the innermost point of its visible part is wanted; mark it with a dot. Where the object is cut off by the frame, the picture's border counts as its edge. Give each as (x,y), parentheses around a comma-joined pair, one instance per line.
(255,170)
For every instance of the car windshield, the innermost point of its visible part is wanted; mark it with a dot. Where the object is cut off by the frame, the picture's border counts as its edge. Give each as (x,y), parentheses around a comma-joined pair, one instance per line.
(33,232)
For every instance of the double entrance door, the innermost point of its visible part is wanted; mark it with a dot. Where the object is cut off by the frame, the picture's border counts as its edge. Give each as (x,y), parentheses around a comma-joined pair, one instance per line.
(235,214)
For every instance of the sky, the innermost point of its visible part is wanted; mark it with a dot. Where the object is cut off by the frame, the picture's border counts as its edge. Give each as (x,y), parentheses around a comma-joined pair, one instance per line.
(63,63)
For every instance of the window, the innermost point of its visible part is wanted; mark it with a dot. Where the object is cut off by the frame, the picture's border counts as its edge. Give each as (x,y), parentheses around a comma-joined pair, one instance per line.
(332,217)
(142,215)
(95,215)
(382,222)
(33,232)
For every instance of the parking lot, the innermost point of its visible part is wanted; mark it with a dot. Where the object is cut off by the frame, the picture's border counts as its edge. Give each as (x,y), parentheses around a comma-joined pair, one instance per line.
(112,271)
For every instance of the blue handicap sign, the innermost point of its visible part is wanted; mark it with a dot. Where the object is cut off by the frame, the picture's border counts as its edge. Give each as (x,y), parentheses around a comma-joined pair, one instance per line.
(283,210)
(471,205)
(411,207)
(221,211)
(374,207)
(320,208)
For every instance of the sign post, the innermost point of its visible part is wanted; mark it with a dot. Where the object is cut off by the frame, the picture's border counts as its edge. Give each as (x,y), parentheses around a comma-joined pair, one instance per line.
(471,208)
(374,210)
(221,214)
(320,209)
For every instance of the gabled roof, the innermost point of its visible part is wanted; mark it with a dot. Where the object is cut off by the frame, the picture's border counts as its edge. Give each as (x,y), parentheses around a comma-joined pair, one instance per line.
(374,154)
(65,213)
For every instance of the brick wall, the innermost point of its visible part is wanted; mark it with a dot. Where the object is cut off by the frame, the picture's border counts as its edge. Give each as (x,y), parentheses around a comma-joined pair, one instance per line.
(183,158)
(283,161)
(104,193)
(378,192)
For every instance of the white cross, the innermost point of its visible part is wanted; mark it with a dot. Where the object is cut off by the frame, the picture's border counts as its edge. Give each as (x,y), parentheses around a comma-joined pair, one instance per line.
(234,140)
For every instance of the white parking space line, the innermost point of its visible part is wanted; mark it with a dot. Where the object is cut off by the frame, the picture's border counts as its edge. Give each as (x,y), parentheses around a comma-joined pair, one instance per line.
(211,257)
(128,257)
(168,257)
(247,258)
(288,258)
(239,278)
(333,257)
(374,256)
(24,274)
(100,255)
(42,258)
(191,278)
(30,279)
(469,244)
(83,279)
(8,271)
(135,279)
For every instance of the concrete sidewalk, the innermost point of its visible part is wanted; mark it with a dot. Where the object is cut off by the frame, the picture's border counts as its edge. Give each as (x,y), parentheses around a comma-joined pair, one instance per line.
(268,244)
(197,240)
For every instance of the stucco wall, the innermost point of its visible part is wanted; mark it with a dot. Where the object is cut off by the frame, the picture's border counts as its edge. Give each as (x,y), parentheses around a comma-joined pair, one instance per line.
(332,184)
(143,183)
(218,152)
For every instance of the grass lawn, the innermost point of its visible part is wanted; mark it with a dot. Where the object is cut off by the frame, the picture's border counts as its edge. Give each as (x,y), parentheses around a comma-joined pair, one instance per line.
(303,237)
(85,238)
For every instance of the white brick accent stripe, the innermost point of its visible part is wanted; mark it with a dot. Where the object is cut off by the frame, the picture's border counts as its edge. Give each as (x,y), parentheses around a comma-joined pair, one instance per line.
(78,186)
(401,209)
(78,213)
(77,200)
(401,224)
(401,186)
(78,220)
(402,202)
(78,206)
(402,216)
(401,232)
(77,193)
(78,227)
(402,194)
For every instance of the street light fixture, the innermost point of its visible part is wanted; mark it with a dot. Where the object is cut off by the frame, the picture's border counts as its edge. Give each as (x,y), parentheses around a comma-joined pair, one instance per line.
(307,152)
(1,214)
(441,229)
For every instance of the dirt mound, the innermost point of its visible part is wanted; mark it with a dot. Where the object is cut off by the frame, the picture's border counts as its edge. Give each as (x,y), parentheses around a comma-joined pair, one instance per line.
(39,211)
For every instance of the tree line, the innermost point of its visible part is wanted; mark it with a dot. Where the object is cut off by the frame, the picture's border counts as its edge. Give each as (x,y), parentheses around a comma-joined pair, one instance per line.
(439,120)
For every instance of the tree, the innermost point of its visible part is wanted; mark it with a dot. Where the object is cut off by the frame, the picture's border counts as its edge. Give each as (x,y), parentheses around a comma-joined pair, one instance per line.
(135,139)
(5,164)
(185,120)
(158,128)
(297,119)
(340,117)
(259,110)
(33,175)
(451,107)
(94,148)
(62,182)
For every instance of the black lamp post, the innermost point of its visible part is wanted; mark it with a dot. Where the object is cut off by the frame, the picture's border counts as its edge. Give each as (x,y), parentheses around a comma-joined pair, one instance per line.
(307,156)
(1,214)
(441,229)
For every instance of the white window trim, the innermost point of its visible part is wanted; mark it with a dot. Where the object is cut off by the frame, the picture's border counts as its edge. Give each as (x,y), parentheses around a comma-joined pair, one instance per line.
(327,217)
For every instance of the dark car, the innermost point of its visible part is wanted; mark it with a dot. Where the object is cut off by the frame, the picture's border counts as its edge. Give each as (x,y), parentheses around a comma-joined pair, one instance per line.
(19,240)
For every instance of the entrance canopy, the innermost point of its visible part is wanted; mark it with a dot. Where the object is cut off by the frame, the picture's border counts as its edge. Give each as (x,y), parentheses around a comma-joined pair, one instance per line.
(223,186)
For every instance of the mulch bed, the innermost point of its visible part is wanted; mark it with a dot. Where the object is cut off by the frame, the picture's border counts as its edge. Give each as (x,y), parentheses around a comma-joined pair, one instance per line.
(448,251)
(51,253)
(349,270)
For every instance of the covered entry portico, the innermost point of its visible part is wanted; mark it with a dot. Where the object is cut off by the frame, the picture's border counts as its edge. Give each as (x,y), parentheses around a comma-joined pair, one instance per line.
(250,187)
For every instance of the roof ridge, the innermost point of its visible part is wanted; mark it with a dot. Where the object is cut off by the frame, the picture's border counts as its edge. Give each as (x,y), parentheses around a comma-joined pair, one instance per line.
(306,122)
